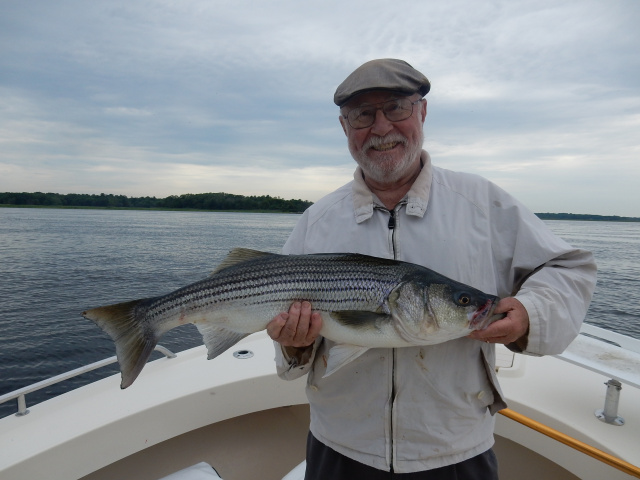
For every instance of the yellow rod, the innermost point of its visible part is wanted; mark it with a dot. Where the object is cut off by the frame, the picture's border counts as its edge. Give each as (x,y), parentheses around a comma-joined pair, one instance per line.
(573,443)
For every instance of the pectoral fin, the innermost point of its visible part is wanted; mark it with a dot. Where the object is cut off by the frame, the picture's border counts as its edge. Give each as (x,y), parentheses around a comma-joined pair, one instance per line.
(360,319)
(340,355)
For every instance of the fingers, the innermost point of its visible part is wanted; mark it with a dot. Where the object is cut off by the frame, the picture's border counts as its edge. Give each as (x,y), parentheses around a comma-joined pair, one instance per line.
(297,324)
(510,328)
(299,327)
(274,327)
(501,331)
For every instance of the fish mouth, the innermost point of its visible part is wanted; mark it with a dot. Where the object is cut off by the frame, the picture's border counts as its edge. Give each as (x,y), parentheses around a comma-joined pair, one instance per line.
(483,317)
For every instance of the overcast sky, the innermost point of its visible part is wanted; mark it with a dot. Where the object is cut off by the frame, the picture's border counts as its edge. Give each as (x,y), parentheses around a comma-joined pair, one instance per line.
(159,98)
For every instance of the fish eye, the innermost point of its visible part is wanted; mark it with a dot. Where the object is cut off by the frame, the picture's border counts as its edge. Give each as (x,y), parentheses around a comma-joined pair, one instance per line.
(464,299)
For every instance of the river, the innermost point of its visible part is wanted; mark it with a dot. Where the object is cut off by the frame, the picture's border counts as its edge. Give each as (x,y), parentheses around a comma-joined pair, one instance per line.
(55,263)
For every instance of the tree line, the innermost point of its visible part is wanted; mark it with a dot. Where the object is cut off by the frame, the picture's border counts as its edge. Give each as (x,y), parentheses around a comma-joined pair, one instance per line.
(197,201)
(213,201)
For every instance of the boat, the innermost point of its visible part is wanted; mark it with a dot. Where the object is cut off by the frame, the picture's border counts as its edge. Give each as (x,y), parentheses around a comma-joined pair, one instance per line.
(570,416)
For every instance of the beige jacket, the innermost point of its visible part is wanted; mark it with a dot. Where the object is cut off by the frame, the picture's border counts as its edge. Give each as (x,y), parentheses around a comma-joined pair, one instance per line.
(420,408)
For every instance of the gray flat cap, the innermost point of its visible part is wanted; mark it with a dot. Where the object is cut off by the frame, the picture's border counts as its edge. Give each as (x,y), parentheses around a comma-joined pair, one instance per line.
(382,74)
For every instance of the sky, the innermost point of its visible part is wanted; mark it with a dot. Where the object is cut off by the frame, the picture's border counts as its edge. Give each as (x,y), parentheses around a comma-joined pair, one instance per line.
(159,98)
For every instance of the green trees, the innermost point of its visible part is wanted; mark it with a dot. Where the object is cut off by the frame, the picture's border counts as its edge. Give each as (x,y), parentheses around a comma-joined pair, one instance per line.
(199,201)
(228,201)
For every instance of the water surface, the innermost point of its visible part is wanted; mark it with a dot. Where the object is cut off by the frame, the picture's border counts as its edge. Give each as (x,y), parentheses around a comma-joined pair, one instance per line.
(56,263)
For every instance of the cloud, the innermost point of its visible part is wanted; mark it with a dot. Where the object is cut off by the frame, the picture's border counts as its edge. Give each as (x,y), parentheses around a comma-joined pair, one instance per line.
(154,97)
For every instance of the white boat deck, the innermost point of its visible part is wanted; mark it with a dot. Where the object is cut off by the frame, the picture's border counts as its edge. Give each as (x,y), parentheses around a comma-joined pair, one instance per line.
(101,423)
(191,409)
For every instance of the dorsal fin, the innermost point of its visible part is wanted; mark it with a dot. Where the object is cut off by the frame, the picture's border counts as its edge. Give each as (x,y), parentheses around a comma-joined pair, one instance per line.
(239,255)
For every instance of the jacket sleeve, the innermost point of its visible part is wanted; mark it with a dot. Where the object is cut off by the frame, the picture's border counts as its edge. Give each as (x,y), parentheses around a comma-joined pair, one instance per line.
(556,298)
(553,280)
(294,363)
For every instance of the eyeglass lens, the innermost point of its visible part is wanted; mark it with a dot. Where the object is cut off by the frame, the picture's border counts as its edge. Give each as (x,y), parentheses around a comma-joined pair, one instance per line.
(394,110)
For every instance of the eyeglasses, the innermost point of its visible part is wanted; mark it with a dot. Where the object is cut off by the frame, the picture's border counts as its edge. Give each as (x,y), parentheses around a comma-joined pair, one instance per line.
(394,110)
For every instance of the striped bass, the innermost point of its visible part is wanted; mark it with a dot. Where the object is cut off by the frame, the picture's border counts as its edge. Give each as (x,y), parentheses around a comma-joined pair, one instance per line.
(365,302)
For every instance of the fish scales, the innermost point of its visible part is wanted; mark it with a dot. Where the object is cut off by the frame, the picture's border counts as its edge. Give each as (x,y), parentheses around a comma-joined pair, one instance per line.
(274,282)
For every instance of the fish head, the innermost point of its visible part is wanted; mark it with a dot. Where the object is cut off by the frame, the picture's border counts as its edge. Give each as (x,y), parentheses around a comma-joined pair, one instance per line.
(456,307)
(431,312)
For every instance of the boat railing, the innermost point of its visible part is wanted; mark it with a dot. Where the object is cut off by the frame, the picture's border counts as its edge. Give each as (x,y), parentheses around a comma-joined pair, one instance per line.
(593,452)
(21,393)
(624,341)
(608,353)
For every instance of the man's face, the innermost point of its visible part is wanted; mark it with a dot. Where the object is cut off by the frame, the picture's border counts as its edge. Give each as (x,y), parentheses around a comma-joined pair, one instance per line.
(386,151)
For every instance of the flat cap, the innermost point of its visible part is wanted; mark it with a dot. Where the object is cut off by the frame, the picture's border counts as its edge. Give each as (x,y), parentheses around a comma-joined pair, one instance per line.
(382,74)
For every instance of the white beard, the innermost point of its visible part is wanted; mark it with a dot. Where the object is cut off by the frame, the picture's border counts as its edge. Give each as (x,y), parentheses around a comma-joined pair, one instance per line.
(385,169)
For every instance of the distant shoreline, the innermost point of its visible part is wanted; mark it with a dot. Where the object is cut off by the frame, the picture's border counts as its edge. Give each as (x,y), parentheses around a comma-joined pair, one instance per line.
(542,216)
(219,201)
(586,217)
(151,209)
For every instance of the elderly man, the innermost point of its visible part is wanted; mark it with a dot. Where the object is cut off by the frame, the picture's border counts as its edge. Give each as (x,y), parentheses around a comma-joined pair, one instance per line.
(422,412)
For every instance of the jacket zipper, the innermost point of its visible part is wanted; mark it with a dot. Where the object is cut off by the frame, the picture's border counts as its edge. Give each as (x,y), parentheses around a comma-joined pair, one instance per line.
(392,227)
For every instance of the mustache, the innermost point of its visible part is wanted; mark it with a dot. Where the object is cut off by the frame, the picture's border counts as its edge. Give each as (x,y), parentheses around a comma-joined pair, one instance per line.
(374,142)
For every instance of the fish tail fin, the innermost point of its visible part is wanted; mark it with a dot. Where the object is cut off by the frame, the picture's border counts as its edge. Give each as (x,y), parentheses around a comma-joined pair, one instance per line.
(134,341)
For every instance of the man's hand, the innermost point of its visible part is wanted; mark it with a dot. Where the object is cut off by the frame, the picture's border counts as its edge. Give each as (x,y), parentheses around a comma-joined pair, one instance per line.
(510,328)
(298,328)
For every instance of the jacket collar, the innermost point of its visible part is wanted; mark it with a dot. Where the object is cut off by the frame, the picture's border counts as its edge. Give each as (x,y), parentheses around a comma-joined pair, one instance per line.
(417,198)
